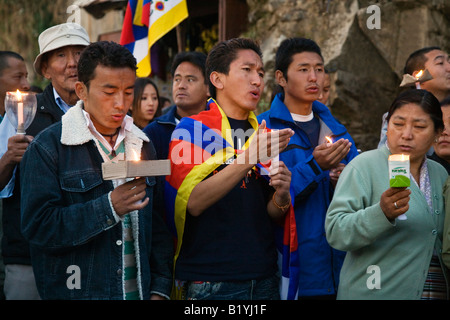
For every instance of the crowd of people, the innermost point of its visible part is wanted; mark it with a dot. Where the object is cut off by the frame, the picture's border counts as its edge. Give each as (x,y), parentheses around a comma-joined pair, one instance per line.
(275,206)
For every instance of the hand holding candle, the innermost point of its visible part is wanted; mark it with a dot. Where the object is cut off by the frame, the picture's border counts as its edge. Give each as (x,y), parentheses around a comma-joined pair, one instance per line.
(128,197)
(20,109)
(329,154)
(416,78)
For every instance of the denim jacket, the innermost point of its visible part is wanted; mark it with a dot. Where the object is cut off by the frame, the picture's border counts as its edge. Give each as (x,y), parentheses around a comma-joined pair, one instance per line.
(67,216)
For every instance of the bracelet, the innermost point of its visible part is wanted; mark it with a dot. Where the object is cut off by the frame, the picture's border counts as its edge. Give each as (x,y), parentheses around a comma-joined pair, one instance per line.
(283,208)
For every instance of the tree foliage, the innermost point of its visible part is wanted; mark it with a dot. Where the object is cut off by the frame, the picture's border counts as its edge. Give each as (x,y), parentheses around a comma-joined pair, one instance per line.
(21,22)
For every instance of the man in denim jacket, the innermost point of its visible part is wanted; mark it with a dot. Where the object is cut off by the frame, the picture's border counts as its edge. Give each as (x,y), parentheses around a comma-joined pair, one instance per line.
(91,238)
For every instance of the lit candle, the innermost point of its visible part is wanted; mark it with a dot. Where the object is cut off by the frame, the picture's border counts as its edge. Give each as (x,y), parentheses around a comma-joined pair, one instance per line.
(417,76)
(135,157)
(20,122)
(399,173)
(330,141)
(399,170)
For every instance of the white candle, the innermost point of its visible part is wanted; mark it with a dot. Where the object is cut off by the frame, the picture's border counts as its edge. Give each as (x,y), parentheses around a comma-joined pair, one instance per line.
(399,170)
(19,109)
(399,174)
(417,76)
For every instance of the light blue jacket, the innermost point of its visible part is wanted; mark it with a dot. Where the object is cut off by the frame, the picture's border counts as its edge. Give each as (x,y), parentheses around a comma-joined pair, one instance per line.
(384,260)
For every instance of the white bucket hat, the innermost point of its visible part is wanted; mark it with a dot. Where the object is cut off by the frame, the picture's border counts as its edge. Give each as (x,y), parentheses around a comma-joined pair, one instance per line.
(61,35)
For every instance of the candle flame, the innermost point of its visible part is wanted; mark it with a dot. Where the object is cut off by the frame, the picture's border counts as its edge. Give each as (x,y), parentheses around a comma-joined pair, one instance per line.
(19,95)
(419,74)
(329,139)
(135,156)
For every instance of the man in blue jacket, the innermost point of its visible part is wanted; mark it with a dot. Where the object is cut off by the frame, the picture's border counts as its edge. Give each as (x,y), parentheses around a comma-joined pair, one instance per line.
(314,161)
(190,93)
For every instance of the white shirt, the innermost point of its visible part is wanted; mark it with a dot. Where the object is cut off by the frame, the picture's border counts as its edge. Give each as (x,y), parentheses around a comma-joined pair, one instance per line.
(7,130)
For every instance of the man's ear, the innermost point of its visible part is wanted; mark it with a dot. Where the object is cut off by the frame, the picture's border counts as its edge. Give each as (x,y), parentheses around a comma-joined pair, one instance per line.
(81,90)
(44,67)
(216,79)
(280,78)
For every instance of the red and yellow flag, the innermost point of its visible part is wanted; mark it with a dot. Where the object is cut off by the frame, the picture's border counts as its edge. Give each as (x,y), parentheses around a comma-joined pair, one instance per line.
(146,21)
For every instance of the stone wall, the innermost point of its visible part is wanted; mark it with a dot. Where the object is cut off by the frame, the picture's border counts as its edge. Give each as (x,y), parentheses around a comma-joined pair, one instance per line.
(365,59)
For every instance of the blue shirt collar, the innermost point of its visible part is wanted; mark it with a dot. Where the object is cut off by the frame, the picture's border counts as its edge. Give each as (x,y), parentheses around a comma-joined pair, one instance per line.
(60,102)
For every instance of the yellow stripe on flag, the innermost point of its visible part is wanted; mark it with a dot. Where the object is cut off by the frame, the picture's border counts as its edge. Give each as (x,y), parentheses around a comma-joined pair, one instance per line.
(158,29)
(167,22)
(138,14)
(143,67)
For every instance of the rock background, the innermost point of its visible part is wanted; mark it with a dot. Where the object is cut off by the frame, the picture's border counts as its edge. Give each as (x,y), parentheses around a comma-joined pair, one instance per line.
(365,64)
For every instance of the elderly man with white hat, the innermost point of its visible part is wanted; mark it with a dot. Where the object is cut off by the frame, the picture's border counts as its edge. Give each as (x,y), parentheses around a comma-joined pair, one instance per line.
(60,48)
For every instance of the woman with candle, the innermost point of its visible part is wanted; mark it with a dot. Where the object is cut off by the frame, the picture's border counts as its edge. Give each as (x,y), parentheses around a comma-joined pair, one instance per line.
(146,102)
(389,258)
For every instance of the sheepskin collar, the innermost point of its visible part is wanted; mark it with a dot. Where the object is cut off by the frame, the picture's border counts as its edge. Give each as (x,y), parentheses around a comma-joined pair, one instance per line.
(75,130)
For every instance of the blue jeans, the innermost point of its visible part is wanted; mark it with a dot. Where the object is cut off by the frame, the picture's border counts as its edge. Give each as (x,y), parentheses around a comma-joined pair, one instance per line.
(264,289)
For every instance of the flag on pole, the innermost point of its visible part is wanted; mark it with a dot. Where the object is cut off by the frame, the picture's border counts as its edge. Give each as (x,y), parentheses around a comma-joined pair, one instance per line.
(145,22)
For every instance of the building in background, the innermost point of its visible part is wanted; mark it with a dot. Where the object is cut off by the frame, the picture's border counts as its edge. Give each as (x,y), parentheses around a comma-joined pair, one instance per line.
(209,21)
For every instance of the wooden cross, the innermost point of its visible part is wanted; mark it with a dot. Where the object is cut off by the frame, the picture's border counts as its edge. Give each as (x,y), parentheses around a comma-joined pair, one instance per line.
(131,169)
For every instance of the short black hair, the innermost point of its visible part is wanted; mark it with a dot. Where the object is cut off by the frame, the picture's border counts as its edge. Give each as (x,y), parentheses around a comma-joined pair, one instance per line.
(105,53)
(224,53)
(291,46)
(416,60)
(423,98)
(195,57)
(4,55)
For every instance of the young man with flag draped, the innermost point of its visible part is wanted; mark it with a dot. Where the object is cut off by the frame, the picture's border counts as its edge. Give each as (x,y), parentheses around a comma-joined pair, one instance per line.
(219,204)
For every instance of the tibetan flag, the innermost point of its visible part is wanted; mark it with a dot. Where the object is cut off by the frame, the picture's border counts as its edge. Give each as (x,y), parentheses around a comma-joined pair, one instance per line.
(145,22)
(199,145)
(135,36)
(288,253)
(287,245)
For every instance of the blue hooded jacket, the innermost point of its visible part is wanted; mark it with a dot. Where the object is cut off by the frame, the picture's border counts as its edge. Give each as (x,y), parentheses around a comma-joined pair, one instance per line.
(319,263)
